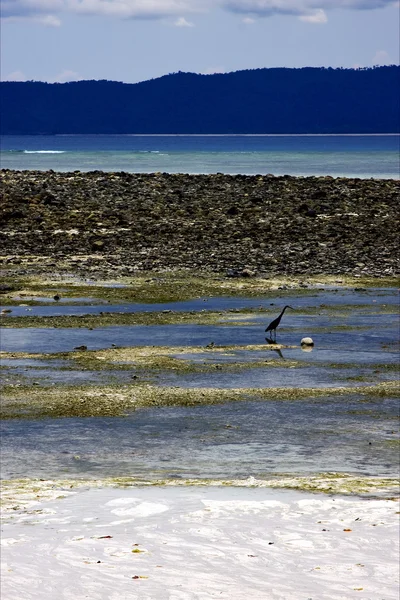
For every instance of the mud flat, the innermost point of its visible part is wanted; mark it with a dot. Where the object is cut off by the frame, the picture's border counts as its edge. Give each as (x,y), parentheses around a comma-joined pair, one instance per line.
(97,223)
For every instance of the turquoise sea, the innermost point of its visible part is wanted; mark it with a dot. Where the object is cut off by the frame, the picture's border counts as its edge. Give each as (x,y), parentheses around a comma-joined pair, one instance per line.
(361,156)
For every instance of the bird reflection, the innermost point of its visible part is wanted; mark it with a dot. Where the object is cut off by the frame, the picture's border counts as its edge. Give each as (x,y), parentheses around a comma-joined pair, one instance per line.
(277,350)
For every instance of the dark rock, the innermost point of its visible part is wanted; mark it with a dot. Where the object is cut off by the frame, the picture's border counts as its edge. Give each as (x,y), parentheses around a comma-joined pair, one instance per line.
(238,225)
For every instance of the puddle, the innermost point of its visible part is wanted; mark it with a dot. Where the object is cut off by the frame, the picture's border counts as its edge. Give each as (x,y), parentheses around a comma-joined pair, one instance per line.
(33,362)
(313,355)
(234,440)
(330,299)
(340,356)
(45,377)
(292,377)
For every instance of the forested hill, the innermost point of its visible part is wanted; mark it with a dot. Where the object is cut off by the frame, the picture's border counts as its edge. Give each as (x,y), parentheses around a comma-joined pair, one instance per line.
(307,100)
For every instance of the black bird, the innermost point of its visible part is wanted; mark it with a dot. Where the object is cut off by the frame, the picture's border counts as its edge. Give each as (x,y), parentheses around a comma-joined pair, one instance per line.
(274,324)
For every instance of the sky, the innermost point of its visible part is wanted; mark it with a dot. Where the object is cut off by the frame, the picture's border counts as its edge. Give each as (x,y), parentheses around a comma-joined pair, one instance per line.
(136,40)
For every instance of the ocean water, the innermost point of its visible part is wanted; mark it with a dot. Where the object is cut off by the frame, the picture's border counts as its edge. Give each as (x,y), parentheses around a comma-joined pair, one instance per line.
(362,156)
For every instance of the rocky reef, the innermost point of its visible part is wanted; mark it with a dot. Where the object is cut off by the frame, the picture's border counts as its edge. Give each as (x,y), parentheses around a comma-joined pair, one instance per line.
(236,224)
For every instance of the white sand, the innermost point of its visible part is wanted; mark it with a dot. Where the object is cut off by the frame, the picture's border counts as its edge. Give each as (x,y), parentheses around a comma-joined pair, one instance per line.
(201,543)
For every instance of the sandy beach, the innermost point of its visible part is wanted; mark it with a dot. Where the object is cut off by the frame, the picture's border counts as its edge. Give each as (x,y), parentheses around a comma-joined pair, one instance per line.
(171,543)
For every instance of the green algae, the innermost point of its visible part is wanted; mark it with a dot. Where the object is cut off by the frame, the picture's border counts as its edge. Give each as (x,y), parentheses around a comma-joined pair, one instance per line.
(149,362)
(153,357)
(392,443)
(165,358)
(229,318)
(170,286)
(25,494)
(387,367)
(158,288)
(343,484)
(21,355)
(360,378)
(106,319)
(25,402)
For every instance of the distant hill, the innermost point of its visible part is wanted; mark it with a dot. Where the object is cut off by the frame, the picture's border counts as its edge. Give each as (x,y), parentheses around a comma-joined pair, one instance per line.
(307,100)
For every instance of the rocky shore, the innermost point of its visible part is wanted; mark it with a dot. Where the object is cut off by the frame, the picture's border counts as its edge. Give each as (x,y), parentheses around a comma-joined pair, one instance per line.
(122,223)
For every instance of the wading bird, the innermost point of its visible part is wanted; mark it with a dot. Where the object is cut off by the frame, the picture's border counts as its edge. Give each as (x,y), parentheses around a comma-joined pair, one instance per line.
(274,324)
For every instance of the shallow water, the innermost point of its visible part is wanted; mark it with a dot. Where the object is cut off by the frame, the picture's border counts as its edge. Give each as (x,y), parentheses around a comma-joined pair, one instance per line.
(338,155)
(229,441)
(45,373)
(382,329)
(33,362)
(304,377)
(311,299)
(234,440)
(45,377)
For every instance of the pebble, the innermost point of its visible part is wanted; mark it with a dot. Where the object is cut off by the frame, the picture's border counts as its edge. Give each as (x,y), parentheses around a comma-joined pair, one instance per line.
(102,223)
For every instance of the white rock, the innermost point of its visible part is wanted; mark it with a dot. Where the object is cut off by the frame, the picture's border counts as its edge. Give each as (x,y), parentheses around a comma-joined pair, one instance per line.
(307,341)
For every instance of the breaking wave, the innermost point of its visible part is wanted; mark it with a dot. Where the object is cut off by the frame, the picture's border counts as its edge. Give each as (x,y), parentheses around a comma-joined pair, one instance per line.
(43,151)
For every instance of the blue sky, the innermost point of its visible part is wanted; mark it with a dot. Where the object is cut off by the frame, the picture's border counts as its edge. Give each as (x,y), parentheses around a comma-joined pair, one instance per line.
(135,40)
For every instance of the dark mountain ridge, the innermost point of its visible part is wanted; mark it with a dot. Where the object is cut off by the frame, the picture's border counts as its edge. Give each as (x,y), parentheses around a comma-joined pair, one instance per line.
(280,100)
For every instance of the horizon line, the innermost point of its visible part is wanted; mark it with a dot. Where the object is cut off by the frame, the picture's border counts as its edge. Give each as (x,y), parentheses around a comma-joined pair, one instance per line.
(218,134)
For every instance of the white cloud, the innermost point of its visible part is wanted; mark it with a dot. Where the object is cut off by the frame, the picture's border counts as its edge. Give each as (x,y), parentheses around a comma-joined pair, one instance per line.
(301,8)
(381,58)
(30,8)
(125,9)
(248,20)
(64,76)
(49,12)
(49,21)
(181,22)
(318,16)
(15,76)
